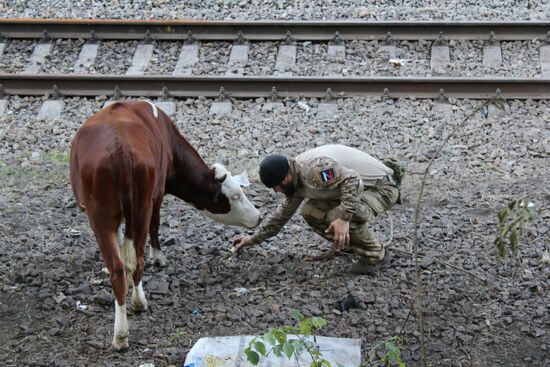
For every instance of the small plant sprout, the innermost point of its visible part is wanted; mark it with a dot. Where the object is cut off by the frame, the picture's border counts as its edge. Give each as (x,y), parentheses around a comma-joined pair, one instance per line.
(512,220)
(178,334)
(290,342)
(391,353)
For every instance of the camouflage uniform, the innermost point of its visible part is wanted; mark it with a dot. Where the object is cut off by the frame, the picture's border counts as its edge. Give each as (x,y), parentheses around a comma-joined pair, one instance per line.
(339,182)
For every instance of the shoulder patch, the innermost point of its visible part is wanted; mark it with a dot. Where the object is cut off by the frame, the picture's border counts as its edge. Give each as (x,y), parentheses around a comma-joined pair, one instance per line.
(328,175)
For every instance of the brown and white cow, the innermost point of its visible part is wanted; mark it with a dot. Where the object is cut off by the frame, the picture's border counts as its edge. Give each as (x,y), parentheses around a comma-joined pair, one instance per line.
(124,159)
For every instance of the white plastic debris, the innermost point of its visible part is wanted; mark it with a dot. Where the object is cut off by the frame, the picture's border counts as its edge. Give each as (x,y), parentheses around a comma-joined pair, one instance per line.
(303,106)
(147,365)
(241,290)
(81,306)
(224,351)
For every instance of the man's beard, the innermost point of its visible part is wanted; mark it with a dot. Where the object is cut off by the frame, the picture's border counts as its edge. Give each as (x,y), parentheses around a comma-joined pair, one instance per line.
(289,189)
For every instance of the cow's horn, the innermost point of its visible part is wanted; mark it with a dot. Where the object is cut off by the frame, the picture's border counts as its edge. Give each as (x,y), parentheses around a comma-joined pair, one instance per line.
(222,178)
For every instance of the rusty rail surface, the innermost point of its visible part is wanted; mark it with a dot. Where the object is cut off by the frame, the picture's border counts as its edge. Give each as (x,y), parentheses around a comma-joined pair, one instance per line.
(270,30)
(252,87)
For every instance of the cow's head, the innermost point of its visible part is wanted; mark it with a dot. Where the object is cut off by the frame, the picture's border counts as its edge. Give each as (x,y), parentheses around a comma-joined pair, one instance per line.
(227,193)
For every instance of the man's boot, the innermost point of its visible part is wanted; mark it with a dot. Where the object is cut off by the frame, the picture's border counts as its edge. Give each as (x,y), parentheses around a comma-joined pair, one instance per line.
(366,267)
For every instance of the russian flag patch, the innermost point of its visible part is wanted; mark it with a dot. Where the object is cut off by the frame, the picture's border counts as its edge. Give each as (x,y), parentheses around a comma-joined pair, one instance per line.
(328,175)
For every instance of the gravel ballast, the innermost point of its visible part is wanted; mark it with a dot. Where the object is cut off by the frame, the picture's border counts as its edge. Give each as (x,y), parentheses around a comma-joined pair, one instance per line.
(281,10)
(50,260)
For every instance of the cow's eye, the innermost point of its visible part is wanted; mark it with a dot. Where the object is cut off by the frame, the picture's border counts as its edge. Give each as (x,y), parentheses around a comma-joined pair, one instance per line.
(236,197)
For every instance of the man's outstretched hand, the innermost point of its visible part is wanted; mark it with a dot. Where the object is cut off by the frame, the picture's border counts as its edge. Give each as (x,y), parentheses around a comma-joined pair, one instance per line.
(240,242)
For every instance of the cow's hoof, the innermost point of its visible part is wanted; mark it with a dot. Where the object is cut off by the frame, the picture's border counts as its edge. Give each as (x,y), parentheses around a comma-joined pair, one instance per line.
(139,306)
(159,260)
(120,343)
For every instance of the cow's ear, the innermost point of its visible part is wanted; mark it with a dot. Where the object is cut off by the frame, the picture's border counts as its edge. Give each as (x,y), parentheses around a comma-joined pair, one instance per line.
(242,179)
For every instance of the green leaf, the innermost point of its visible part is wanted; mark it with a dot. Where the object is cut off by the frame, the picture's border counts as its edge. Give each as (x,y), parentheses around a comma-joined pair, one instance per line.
(277,350)
(270,338)
(252,356)
(305,327)
(296,314)
(288,349)
(391,348)
(318,322)
(260,347)
(326,363)
(280,336)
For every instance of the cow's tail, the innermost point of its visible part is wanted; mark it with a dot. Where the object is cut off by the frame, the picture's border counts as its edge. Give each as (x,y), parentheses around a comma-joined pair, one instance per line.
(123,160)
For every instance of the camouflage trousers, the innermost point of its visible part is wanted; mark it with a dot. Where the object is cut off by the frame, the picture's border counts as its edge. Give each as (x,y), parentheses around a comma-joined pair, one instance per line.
(374,200)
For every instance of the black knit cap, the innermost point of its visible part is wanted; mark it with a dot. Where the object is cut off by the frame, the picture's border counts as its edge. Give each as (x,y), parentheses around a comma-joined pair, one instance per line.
(273,170)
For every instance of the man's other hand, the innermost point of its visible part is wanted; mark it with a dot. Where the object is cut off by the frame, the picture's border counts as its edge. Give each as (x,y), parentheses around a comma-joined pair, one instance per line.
(340,228)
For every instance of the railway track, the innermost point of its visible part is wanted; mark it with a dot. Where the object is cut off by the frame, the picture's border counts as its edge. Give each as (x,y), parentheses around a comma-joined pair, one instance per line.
(270,30)
(252,87)
(33,80)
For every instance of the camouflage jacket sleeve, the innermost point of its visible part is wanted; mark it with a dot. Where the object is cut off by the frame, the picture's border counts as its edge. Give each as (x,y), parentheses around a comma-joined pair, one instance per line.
(275,222)
(323,173)
(351,187)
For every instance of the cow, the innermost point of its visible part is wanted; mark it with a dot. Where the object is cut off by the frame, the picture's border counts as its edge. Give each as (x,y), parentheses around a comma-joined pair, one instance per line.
(124,159)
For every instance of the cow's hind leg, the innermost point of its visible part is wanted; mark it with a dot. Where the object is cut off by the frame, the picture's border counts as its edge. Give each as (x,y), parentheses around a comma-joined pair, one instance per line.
(106,233)
(139,302)
(141,218)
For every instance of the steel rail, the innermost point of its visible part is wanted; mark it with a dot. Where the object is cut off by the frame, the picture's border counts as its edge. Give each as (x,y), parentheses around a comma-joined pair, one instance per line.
(270,30)
(253,87)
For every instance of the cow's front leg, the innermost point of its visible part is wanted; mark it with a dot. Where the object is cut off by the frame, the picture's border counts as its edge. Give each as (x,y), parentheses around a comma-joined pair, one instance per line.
(156,257)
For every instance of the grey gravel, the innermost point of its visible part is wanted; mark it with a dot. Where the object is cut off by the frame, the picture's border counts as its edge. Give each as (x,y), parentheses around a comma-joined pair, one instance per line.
(363,58)
(164,59)
(52,254)
(15,55)
(280,9)
(113,57)
(63,56)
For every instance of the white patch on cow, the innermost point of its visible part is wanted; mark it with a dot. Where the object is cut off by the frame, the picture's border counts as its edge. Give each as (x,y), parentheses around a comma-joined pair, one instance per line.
(121,229)
(139,302)
(155,110)
(242,212)
(157,257)
(120,337)
(128,256)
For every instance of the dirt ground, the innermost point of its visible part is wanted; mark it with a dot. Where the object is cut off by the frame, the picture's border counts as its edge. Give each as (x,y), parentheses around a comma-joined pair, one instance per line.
(487,313)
